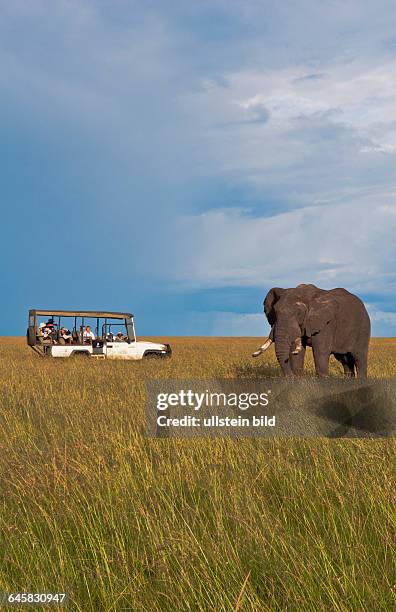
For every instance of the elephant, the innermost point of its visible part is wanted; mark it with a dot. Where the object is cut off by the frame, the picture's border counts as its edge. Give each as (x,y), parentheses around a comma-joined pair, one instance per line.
(331,322)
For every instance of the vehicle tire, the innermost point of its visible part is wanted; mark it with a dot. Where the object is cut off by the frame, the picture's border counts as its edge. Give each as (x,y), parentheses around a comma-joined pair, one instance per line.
(153,355)
(80,354)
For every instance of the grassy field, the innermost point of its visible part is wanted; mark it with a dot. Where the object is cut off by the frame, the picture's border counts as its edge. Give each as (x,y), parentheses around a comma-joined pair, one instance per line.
(92,507)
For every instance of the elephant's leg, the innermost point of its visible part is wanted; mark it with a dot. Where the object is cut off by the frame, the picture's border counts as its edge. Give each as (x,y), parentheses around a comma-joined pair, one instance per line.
(342,359)
(361,363)
(321,359)
(351,364)
(347,362)
(297,362)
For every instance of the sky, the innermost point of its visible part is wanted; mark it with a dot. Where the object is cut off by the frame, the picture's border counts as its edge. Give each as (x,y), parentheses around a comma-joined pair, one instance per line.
(178,159)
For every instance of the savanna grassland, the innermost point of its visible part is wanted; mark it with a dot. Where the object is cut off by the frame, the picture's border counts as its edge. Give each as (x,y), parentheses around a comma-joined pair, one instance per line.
(119,521)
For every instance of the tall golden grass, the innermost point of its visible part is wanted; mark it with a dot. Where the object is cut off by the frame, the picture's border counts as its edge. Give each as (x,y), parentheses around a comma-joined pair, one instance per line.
(92,507)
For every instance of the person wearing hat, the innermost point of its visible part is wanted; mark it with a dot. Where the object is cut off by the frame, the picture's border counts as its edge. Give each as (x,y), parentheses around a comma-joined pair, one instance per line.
(119,337)
(41,328)
(45,331)
(40,332)
(49,326)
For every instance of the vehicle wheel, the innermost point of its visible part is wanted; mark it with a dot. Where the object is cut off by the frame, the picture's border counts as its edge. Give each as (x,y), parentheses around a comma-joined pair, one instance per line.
(80,355)
(153,356)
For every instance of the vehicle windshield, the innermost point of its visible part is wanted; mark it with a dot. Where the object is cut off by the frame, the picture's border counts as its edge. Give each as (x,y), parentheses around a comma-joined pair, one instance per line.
(118,331)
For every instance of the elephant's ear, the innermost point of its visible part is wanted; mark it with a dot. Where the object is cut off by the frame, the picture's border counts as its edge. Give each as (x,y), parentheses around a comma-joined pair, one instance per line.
(270,300)
(320,314)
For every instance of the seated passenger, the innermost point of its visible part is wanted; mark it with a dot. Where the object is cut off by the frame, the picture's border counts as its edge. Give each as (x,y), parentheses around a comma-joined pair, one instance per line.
(119,337)
(65,336)
(45,332)
(41,332)
(88,335)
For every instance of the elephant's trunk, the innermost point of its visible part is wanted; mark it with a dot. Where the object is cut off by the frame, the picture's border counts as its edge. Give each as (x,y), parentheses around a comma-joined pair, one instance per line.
(282,352)
(282,349)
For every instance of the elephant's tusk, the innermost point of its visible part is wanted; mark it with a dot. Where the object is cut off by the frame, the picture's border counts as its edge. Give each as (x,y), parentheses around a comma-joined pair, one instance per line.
(297,346)
(262,348)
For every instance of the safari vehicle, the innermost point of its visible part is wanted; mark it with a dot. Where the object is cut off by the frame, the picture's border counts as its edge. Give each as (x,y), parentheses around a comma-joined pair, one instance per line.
(69,333)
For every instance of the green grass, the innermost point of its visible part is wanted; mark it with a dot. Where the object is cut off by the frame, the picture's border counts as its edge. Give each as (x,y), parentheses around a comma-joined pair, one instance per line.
(119,521)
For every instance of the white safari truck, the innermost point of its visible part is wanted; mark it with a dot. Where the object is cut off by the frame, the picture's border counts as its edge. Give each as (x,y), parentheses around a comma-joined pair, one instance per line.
(101,335)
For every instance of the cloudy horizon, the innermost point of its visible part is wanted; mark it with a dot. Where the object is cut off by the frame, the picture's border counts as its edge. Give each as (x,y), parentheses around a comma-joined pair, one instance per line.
(178,160)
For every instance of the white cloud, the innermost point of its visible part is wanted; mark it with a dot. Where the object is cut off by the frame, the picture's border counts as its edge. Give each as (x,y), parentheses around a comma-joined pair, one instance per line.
(383,323)
(217,323)
(323,155)
(378,315)
(347,244)
(281,127)
(380,148)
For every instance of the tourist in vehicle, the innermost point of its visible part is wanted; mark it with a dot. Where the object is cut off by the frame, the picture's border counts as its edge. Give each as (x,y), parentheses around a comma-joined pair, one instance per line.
(46,330)
(119,337)
(88,334)
(65,336)
(42,332)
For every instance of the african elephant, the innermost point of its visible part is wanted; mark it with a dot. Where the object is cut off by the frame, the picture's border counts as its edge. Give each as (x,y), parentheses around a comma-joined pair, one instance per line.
(333,322)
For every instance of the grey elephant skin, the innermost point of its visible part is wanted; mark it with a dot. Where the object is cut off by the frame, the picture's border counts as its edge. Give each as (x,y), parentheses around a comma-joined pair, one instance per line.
(333,322)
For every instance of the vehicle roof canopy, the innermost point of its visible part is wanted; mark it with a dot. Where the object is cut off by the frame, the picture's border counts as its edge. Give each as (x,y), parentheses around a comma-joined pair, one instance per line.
(81,313)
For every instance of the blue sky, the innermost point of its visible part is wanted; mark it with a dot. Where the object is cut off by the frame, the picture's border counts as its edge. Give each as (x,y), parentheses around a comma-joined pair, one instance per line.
(178,159)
